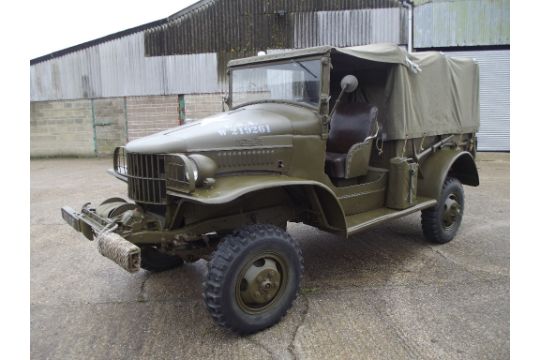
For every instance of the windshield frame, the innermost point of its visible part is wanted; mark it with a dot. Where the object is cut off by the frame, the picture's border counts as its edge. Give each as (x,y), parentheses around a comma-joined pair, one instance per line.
(279,101)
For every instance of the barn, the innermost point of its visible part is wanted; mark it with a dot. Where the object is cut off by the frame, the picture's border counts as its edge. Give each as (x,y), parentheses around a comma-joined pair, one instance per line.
(91,97)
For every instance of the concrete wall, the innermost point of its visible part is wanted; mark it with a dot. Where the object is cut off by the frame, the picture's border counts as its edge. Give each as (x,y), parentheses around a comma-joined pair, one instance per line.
(93,127)
(61,128)
(110,124)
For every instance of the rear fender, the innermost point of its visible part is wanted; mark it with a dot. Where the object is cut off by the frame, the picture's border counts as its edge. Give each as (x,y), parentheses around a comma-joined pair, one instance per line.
(443,163)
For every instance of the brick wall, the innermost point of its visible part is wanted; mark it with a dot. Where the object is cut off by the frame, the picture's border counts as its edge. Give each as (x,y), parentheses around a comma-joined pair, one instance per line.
(149,114)
(95,127)
(61,128)
(202,105)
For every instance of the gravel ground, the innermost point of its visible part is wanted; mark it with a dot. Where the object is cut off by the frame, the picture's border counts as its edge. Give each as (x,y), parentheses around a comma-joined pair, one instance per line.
(383,294)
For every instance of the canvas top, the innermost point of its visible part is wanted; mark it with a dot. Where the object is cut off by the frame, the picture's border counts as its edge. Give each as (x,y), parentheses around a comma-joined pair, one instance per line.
(388,53)
(421,94)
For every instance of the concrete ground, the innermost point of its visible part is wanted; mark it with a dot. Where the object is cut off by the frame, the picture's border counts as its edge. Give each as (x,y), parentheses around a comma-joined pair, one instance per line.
(384,294)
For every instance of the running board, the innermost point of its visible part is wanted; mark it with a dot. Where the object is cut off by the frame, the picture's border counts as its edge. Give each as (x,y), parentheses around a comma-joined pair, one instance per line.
(365,220)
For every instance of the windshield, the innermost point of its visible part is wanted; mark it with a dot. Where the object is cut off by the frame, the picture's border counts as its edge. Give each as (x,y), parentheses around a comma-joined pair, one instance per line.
(294,80)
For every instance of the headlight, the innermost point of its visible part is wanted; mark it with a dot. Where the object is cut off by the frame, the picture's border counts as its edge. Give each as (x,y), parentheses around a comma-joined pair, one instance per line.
(191,169)
(183,173)
(203,168)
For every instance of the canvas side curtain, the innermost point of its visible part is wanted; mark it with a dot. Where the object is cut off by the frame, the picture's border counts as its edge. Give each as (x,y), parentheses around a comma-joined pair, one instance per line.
(442,98)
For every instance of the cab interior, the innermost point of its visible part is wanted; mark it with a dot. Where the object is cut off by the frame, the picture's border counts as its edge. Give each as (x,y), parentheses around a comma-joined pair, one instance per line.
(355,119)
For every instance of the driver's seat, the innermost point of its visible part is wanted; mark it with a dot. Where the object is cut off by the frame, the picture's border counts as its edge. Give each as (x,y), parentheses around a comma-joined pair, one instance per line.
(349,141)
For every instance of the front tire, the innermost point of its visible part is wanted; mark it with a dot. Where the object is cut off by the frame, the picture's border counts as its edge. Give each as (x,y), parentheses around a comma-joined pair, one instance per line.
(253,278)
(440,223)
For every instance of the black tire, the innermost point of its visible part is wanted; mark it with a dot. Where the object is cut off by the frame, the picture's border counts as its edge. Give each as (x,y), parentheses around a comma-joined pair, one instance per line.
(252,251)
(440,223)
(154,260)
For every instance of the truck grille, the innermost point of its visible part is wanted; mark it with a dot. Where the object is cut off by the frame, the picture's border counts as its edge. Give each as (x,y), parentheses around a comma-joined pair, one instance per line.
(146,182)
(145,175)
(149,175)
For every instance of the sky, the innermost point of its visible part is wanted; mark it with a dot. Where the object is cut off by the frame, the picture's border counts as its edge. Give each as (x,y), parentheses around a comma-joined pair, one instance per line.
(60,24)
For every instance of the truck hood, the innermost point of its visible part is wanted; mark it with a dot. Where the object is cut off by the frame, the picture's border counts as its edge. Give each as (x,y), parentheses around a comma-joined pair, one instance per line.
(253,126)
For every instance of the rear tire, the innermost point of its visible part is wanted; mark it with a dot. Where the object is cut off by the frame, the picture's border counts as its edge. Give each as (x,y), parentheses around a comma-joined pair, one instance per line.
(440,223)
(253,278)
(154,260)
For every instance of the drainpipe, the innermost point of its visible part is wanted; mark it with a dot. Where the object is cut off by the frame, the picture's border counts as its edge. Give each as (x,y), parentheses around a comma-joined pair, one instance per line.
(409,4)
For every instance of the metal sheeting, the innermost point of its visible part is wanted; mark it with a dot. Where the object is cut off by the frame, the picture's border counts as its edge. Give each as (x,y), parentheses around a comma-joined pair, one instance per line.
(246,26)
(98,41)
(349,27)
(191,50)
(240,28)
(462,23)
(494,134)
(119,68)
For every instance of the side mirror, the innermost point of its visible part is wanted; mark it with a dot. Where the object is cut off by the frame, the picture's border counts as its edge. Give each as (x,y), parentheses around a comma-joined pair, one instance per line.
(349,83)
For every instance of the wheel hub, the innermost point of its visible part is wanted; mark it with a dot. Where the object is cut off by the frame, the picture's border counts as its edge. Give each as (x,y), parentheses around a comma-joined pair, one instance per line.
(452,210)
(260,283)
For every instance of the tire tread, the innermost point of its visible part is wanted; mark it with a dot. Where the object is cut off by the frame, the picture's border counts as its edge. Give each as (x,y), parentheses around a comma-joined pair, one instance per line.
(431,217)
(224,256)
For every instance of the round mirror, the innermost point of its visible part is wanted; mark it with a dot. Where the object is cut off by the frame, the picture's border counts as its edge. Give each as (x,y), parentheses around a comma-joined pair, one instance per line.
(349,83)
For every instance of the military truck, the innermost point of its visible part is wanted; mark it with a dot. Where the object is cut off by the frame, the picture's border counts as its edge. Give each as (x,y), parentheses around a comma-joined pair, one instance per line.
(342,139)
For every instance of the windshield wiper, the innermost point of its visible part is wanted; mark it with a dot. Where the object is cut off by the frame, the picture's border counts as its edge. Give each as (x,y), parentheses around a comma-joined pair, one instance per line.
(305,68)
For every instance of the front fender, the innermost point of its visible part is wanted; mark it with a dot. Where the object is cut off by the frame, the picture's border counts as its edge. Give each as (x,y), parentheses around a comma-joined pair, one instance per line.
(230,188)
(435,169)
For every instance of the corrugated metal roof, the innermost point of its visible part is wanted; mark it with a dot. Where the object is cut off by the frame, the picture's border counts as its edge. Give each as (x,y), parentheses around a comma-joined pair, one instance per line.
(239,28)
(154,24)
(98,41)
(189,50)
(349,27)
(119,68)
(462,23)
(246,26)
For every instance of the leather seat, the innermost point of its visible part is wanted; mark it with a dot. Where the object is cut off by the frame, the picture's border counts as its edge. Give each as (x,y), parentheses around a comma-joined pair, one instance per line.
(350,125)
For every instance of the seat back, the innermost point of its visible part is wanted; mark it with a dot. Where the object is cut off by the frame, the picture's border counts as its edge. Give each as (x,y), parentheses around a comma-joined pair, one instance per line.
(351,124)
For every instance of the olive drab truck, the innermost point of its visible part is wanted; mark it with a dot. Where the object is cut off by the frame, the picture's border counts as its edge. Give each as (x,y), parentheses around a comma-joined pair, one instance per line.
(341,139)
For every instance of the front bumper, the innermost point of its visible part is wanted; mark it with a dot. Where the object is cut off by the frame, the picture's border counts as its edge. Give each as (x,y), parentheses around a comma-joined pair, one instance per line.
(87,221)
(111,245)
